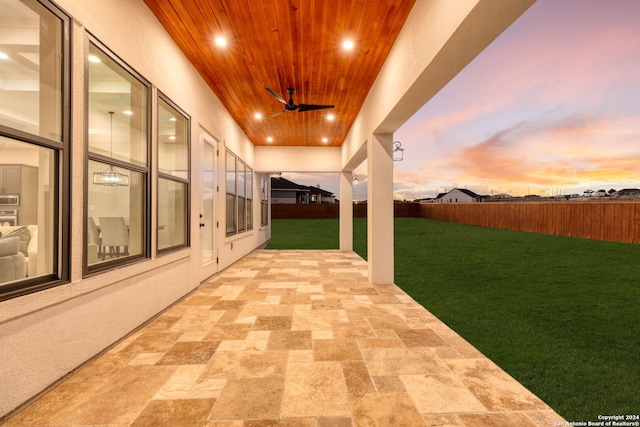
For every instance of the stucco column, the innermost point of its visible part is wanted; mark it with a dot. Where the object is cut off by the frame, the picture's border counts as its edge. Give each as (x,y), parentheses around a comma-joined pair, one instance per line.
(380,209)
(346,211)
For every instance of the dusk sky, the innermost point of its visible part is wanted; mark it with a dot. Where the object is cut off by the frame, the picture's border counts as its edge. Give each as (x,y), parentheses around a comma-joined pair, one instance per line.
(552,106)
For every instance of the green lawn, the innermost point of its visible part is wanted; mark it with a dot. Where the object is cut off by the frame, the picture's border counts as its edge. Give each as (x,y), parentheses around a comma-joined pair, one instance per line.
(560,314)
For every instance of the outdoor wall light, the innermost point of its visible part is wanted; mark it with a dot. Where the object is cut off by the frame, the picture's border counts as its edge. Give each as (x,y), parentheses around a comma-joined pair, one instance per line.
(398,155)
(355,180)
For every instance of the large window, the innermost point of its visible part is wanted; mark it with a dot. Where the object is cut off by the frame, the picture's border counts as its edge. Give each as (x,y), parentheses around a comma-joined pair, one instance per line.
(173,176)
(34,137)
(249,191)
(242,196)
(264,200)
(239,198)
(231,197)
(118,147)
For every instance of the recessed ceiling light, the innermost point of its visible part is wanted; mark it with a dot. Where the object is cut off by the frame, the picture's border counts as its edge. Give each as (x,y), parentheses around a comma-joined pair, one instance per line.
(4,55)
(221,41)
(269,139)
(172,138)
(347,45)
(325,140)
(330,117)
(257,116)
(93,58)
(128,112)
(172,119)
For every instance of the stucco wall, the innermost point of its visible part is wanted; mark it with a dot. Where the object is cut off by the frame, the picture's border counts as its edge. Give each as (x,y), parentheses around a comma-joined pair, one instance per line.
(47,334)
(456,196)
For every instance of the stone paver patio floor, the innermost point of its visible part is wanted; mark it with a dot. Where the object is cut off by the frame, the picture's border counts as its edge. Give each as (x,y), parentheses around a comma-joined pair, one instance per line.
(291,338)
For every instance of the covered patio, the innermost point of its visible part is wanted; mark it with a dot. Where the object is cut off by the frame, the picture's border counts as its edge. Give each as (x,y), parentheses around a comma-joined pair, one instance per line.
(291,338)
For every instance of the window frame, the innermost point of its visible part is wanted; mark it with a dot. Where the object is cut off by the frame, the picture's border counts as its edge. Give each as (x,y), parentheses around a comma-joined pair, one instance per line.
(241,195)
(265,193)
(248,179)
(173,178)
(247,195)
(145,171)
(62,203)
(229,194)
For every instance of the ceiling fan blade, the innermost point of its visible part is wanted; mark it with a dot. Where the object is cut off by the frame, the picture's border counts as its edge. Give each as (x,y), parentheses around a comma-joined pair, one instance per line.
(275,95)
(278,113)
(309,107)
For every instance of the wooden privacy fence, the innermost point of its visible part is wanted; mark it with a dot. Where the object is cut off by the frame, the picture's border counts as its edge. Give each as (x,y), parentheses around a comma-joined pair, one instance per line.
(612,220)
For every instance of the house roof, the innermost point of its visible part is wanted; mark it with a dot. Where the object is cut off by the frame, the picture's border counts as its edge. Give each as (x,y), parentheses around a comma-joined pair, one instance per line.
(318,190)
(279,183)
(465,191)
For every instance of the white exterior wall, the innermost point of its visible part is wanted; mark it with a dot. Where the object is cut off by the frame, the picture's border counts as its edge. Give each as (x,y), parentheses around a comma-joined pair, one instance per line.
(297,159)
(47,334)
(283,197)
(457,196)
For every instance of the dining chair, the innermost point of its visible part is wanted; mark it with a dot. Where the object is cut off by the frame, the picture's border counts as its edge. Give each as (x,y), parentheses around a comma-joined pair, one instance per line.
(115,235)
(93,236)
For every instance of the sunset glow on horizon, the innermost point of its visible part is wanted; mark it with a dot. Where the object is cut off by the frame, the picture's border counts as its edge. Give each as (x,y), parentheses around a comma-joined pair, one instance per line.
(550,107)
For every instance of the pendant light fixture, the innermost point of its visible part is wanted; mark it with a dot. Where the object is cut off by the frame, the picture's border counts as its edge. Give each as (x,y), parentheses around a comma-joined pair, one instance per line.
(111,176)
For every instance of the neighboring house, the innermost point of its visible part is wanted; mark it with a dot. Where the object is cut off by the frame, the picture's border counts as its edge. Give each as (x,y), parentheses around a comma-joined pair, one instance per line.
(459,195)
(284,191)
(502,196)
(318,195)
(629,193)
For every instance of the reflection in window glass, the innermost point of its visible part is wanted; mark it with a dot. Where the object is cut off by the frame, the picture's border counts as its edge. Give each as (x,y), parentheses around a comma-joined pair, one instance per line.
(241,213)
(172,213)
(231,173)
(242,191)
(173,176)
(115,226)
(239,195)
(231,202)
(264,200)
(249,181)
(117,111)
(231,214)
(30,69)
(172,141)
(242,201)
(117,174)
(34,66)
(28,217)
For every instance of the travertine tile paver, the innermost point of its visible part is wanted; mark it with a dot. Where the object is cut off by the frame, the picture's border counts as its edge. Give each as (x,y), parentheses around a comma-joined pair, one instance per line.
(291,339)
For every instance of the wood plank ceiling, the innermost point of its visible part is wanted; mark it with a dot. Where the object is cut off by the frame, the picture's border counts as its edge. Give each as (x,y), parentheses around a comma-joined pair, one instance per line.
(283,44)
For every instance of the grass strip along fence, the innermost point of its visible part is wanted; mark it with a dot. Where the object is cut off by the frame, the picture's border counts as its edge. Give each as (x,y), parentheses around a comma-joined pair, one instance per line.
(560,314)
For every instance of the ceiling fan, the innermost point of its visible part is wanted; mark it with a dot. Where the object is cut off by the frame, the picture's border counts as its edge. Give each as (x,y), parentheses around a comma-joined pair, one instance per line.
(290,106)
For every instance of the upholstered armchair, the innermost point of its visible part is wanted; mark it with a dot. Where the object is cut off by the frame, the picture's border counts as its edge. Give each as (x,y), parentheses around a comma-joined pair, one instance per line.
(13,264)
